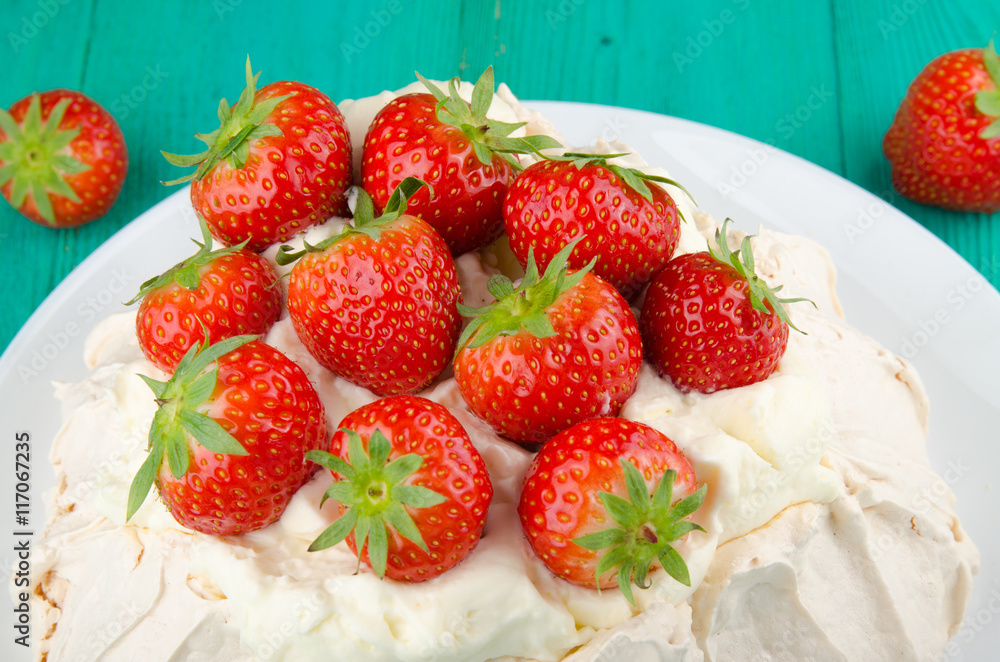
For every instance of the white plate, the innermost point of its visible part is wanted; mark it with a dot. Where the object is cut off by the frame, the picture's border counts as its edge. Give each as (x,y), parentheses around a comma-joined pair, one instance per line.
(898,283)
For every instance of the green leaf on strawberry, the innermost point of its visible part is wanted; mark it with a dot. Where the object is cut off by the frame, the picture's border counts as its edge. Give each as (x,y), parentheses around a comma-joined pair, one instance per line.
(240,125)
(372,492)
(645,528)
(33,159)
(178,417)
(760,293)
(988,101)
(365,222)
(524,306)
(633,177)
(487,136)
(186,273)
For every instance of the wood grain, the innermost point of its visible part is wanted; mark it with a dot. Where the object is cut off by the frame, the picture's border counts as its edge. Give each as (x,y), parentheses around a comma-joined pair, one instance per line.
(819,79)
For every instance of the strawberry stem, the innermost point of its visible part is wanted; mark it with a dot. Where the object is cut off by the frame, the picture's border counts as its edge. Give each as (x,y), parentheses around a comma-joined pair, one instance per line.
(177,420)
(524,307)
(35,158)
(374,493)
(645,528)
(488,136)
(763,297)
(239,126)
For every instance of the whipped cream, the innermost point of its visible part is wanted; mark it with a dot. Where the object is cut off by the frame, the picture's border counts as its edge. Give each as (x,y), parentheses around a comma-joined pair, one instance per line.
(827,534)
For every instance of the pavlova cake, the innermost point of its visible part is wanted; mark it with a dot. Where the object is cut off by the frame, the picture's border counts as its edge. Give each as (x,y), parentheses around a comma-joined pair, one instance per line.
(499,401)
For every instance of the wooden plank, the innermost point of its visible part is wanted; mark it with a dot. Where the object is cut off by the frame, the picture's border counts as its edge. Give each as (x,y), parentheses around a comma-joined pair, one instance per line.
(881,46)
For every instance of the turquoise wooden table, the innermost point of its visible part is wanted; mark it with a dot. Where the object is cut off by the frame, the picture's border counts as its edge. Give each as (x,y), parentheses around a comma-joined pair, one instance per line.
(820,79)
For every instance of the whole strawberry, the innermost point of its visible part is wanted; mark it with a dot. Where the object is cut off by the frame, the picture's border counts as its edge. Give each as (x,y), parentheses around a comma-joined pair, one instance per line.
(63,159)
(709,322)
(376,304)
(625,220)
(228,292)
(463,156)
(556,350)
(279,162)
(227,446)
(602,501)
(944,143)
(413,490)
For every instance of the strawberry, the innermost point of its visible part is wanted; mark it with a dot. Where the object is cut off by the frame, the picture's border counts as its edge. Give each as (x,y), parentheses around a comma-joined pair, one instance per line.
(227,445)
(709,322)
(224,293)
(609,484)
(62,158)
(624,219)
(376,304)
(944,142)
(556,350)
(450,144)
(279,162)
(413,490)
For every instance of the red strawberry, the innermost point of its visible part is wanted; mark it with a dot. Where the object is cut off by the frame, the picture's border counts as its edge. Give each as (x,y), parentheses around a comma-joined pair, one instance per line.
(944,143)
(227,446)
(710,323)
(631,227)
(554,351)
(62,158)
(411,486)
(228,292)
(463,156)
(609,484)
(376,304)
(279,163)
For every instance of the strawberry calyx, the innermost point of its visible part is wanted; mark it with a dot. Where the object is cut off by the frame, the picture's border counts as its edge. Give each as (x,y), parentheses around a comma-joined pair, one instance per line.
(365,222)
(373,492)
(35,157)
(488,137)
(763,297)
(522,307)
(240,125)
(636,179)
(988,101)
(179,417)
(646,525)
(188,272)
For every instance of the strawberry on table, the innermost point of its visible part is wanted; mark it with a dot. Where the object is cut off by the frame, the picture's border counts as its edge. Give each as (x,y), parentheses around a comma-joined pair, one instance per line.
(557,349)
(709,322)
(228,292)
(465,157)
(413,490)
(623,218)
(603,500)
(228,444)
(376,304)
(63,159)
(944,142)
(279,163)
